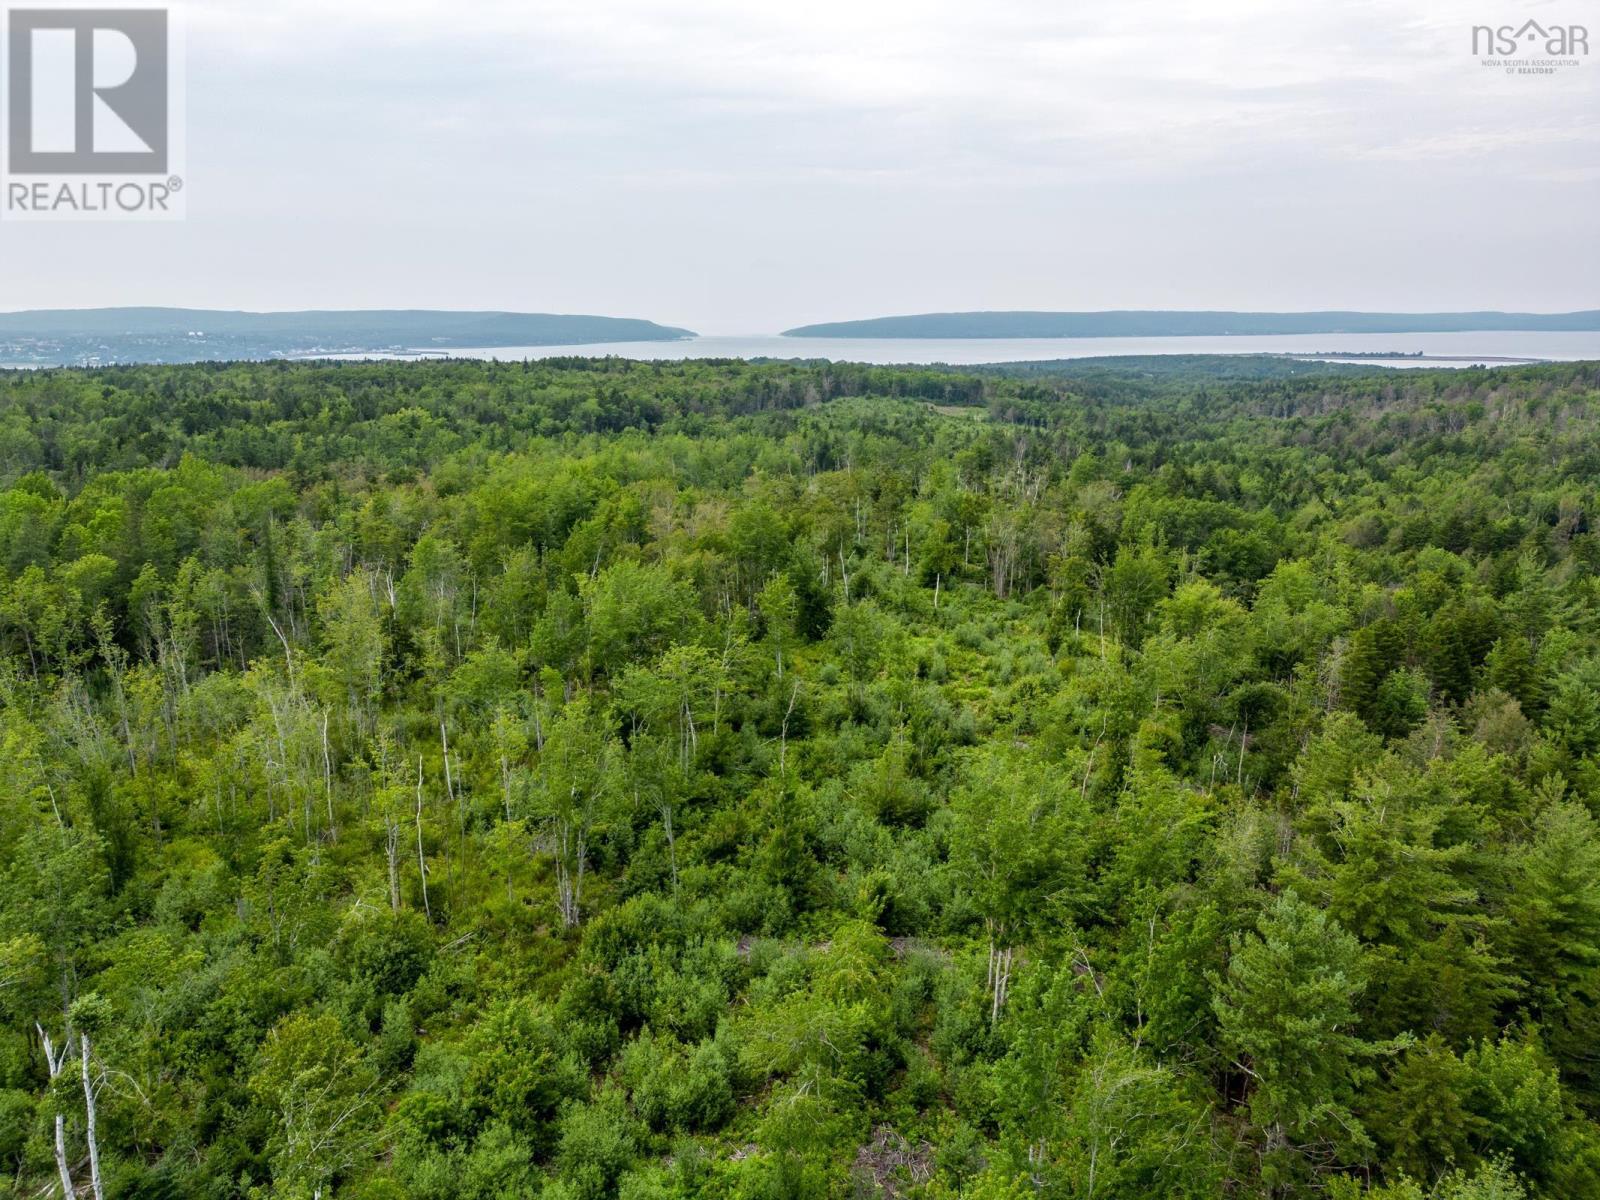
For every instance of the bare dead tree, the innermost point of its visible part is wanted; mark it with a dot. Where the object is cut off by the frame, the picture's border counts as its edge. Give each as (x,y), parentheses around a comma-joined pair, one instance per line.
(327,779)
(391,848)
(90,1088)
(422,862)
(55,1059)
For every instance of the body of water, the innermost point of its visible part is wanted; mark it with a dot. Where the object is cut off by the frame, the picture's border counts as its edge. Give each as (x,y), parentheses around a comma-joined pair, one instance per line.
(1435,349)
(1438,349)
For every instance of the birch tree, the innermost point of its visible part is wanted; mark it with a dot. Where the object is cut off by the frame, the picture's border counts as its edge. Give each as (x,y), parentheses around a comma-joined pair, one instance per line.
(576,789)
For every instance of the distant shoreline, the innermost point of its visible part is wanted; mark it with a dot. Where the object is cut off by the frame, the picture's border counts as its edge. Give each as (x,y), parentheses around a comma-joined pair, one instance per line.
(1412,356)
(1196,323)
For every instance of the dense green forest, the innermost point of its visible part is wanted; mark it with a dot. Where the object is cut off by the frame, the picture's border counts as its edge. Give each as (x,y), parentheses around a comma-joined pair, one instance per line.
(593,779)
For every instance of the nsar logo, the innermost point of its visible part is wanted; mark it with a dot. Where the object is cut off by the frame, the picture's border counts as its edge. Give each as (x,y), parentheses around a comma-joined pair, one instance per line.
(1531,48)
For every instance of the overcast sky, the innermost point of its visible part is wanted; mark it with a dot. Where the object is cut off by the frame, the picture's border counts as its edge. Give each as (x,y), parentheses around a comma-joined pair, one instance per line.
(739,166)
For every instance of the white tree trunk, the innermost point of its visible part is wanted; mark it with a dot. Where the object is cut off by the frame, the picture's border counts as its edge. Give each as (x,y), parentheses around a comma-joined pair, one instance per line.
(88,1107)
(391,848)
(999,982)
(422,862)
(67,1191)
(56,1061)
(327,779)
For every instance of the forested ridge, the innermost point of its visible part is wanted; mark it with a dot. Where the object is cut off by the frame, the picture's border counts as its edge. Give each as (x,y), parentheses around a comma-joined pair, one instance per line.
(591,779)
(1182,323)
(166,335)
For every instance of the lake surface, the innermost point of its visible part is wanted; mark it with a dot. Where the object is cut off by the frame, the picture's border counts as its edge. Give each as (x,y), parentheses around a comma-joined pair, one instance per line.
(1438,349)
(1468,348)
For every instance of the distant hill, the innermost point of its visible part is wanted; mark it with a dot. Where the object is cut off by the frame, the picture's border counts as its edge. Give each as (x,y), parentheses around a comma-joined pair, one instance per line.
(1138,323)
(186,334)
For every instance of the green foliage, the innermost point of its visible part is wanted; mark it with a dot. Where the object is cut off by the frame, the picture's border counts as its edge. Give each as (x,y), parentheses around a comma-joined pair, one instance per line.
(318,1097)
(588,778)
(1285,1014)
